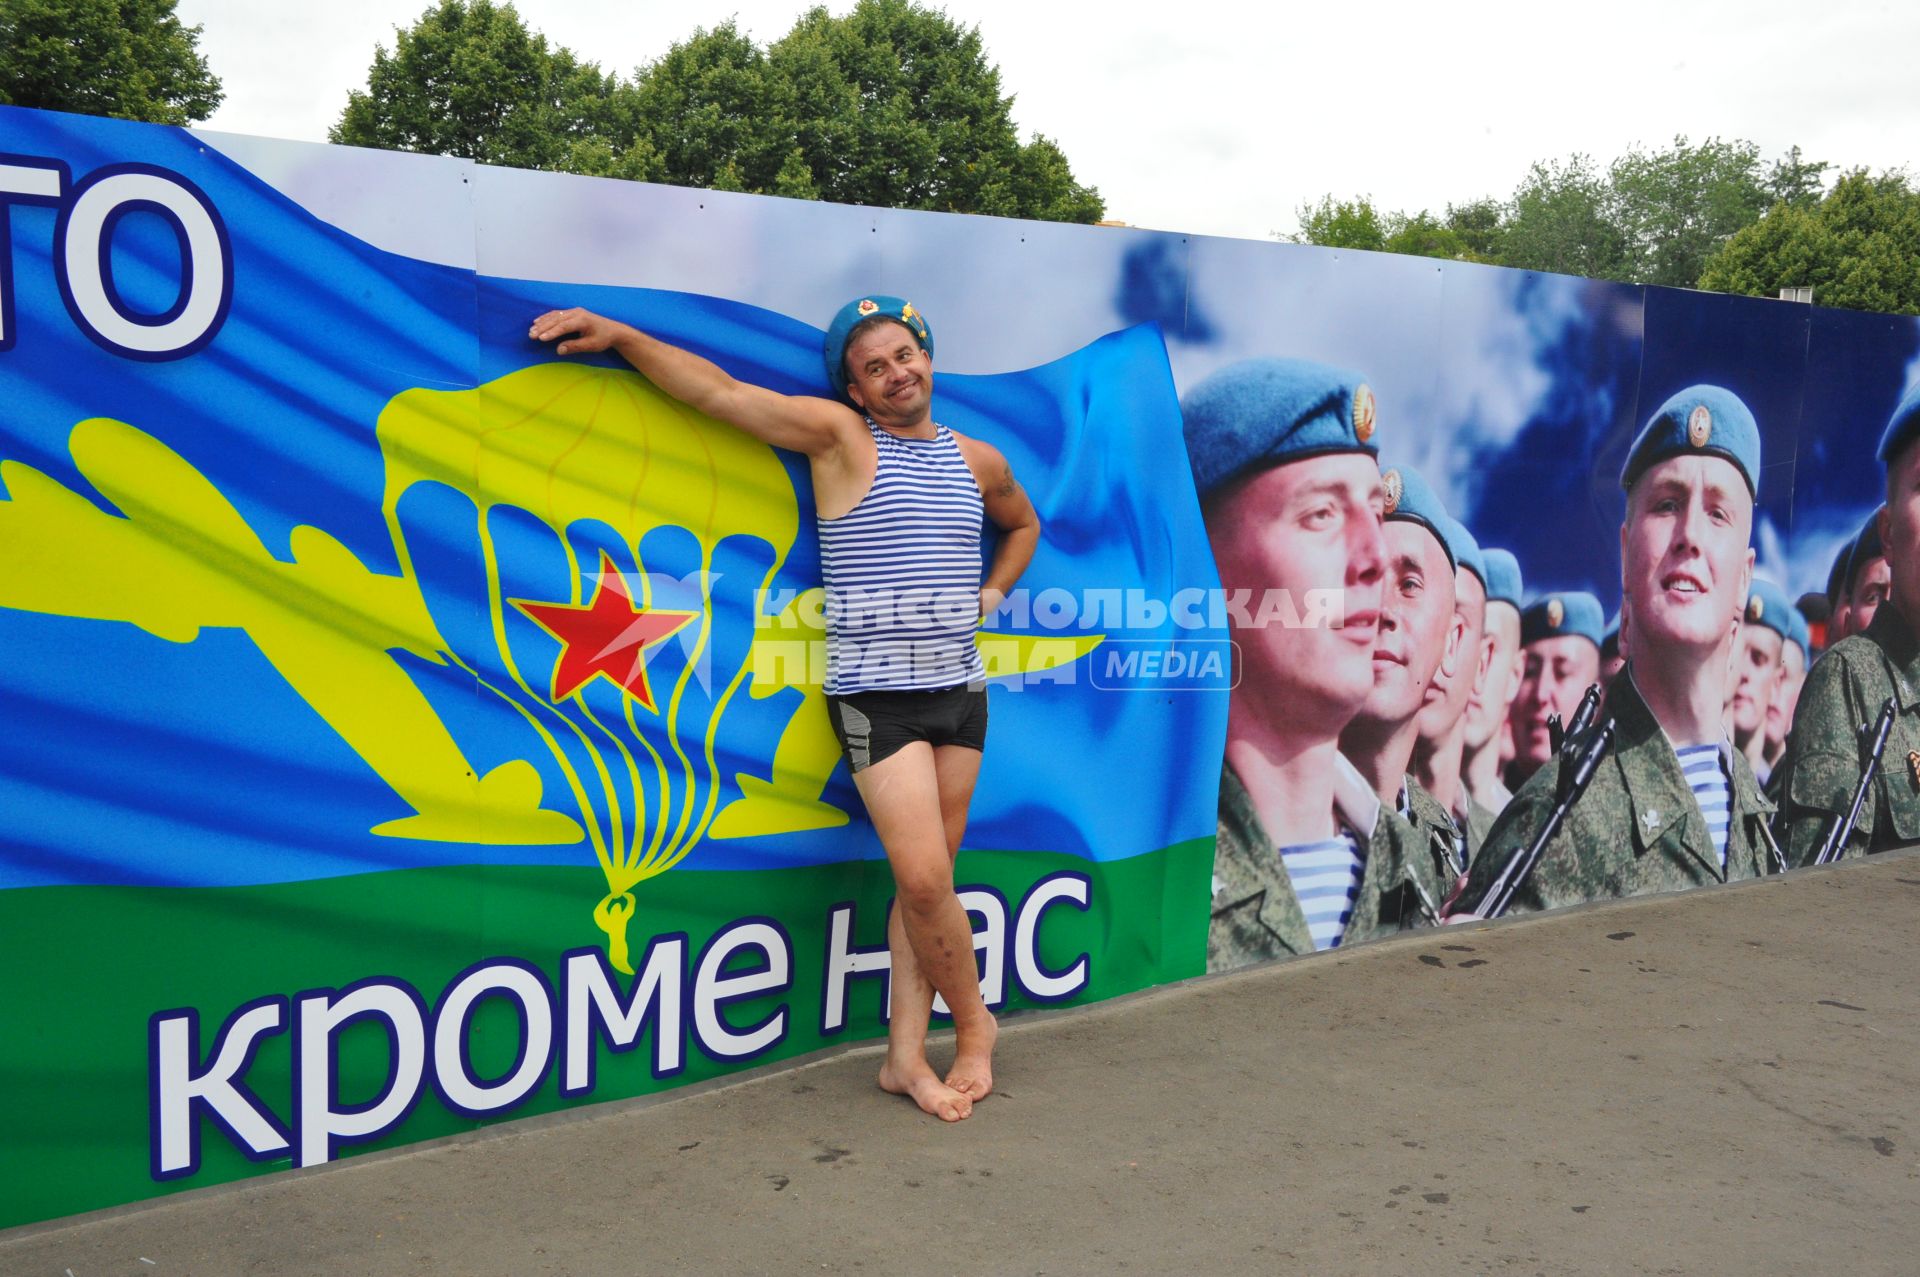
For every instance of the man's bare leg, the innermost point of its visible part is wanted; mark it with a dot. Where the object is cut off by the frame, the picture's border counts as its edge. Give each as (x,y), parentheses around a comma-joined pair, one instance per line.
(956,768)
(929,936)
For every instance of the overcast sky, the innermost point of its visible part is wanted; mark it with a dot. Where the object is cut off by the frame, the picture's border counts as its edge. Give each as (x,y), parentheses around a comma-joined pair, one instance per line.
(1221,119)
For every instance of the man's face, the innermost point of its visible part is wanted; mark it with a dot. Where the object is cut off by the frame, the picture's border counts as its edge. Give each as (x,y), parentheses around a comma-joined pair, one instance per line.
(1489,700)
(1554,674)
(889,376)
(1307,536)
(1786,694)
(1686,565)
(1872,583)
(1756,678)
(1416,623)
(1454,682)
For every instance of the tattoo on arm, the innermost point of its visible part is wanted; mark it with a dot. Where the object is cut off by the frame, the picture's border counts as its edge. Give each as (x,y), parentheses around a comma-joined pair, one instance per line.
(1005,486)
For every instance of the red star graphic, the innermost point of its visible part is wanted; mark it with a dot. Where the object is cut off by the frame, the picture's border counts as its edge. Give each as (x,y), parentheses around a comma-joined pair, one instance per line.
(608,636)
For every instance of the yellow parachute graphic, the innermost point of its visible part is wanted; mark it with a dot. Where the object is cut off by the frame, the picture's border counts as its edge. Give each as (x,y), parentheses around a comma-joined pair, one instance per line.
(570,444)
(564,443)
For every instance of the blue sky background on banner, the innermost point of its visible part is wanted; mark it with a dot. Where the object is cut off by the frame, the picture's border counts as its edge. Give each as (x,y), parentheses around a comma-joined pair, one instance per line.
(221,774)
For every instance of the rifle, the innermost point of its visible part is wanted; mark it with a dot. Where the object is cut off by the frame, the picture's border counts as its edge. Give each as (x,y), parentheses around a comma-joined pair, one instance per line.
(1559,734)
(1583,716)
(1576,773)
(1835,842)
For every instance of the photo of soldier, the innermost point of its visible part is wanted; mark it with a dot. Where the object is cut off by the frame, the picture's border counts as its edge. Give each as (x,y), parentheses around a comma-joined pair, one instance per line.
(1672,804)
(1488,703)
(1307,857)
(1878,660)
(1560,658)
(1420,641)
(1865,580)
(1793,675)
(1439,752)
(1759,664)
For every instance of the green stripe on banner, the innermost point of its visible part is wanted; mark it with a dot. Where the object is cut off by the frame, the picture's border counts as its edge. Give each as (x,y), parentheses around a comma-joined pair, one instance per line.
(75,1133)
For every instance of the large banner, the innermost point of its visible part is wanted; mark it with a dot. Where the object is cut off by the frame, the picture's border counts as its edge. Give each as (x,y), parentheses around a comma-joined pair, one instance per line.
(406,729)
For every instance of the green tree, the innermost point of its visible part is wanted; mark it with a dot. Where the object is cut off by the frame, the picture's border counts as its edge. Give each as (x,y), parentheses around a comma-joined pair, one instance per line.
(1675,208)
(1561,218)
(896,105)
(1469,234)
(1794,180)
(469,79)
(1424,235)
(714,114)
(129,59)
(1482,227)
(1858,247)
(893,105)
(1332,223)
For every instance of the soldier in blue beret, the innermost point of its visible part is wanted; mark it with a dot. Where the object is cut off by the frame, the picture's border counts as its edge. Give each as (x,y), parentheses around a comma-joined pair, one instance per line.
(906,696)
(1794,659)
(1560,637)
(1864,582)
(1758,666)
(1307,857)
(1673,804)
(1492,698)
(1878,659)
(1419,650)
(1439,755)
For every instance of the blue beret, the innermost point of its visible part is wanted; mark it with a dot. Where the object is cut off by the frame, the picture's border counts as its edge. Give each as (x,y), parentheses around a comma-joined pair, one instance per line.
(1837,574)
(1768,605)
(1798,632)
(1561,614)
(1411,500)
(1466,551)
(833,351)
(1503,577)
(1261,413)
(1902,426)
(1706,420)
(1865,548)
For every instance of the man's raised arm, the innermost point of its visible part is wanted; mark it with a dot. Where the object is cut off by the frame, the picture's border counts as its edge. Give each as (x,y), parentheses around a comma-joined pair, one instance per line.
(802,423)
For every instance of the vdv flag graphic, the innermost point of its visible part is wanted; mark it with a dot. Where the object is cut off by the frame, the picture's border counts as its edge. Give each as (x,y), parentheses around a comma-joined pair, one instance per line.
(367,670)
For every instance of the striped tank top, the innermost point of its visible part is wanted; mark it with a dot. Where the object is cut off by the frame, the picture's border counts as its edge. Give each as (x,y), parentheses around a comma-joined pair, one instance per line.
(902,572)
(1706,775)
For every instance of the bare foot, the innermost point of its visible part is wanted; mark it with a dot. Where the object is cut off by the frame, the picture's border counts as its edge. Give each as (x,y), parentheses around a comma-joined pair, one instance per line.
(972,1071)
(929,1092)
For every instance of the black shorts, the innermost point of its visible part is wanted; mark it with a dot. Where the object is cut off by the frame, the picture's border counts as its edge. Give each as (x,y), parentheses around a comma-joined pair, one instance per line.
(874,725)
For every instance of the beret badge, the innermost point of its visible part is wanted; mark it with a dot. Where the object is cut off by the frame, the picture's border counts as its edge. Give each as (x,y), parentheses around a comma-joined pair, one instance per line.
(868,306)
(1363,412)
(1699,425)
(1556,613)
(1390,482)
(1756,608)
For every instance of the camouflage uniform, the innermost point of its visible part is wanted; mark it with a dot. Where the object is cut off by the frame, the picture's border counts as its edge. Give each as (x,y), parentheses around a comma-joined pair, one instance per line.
(1817,777)
(1479,823)
(1436,830)
(1256,916)
(1636,830)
